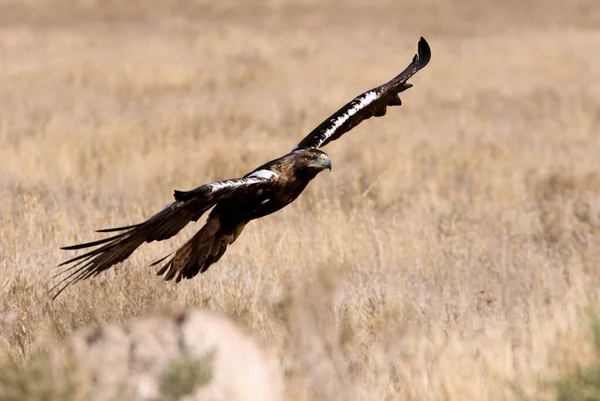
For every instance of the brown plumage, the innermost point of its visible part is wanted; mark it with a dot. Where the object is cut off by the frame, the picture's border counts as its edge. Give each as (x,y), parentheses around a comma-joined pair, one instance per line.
(235,202)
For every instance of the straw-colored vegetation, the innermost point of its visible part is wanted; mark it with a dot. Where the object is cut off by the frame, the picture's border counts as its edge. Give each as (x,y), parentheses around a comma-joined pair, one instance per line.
(452,253)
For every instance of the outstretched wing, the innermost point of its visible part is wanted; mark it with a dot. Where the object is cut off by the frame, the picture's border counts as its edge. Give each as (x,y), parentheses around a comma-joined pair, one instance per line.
(188,206)
(369,104)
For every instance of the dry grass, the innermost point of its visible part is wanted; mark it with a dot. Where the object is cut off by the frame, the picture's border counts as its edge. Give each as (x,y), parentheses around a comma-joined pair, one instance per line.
(452,253)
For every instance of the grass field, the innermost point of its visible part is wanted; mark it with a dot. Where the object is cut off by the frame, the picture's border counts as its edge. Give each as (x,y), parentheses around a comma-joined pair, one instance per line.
(452,253)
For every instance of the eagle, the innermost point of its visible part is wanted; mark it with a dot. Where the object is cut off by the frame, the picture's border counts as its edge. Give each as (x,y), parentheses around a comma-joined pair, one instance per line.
(237,201)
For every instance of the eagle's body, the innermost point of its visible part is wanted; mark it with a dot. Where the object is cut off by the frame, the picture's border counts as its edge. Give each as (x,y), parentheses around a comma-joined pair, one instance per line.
(286,177)
(235,202)
(289,176)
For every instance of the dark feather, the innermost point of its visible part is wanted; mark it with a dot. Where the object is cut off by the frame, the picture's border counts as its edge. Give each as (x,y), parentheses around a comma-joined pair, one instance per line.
(87,245)
(159,260)
(110,230)
(366,105)
(205,248)
(395,101)
(237,200)
(161,226)
(380,112)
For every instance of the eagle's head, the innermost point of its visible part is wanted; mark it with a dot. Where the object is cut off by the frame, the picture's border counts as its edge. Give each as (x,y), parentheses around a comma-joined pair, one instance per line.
(310,161)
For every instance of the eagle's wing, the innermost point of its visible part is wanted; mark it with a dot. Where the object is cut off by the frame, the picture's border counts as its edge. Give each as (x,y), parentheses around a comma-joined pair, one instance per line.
(369,104)
(188,206)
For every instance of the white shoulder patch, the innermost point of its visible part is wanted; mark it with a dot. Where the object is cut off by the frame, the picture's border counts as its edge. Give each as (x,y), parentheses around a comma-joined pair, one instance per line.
(356,105)
(361,103)
(238,182)
(219,185)
(263,174)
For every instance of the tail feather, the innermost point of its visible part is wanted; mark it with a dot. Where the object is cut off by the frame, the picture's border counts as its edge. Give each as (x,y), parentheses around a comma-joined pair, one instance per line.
(159,260)
(213,257)
(205,248)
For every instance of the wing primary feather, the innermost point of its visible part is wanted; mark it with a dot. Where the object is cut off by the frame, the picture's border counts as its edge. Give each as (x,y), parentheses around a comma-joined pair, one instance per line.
(92,243)
(369,104)
(424,52)
(67,281)
(163,225)
(110,230)
(87,255)
(79,263)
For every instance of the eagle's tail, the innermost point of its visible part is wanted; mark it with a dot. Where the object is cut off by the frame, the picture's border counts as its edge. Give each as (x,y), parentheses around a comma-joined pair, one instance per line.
(206,247)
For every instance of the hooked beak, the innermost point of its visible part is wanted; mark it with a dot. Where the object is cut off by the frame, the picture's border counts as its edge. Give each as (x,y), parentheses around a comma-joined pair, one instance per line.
(326,162)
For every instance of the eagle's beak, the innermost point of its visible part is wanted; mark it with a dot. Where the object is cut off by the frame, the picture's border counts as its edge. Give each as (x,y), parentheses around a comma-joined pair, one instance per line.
(326,162)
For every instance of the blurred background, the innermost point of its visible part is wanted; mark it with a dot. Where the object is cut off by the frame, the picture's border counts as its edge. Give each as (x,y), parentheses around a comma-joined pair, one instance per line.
(451,254)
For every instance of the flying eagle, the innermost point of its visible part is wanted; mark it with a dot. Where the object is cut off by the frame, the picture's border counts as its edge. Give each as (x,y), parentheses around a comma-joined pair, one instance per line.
(236,201)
